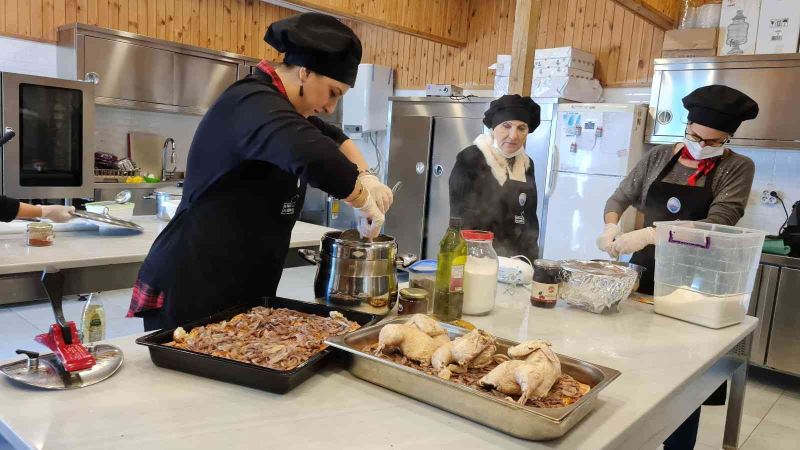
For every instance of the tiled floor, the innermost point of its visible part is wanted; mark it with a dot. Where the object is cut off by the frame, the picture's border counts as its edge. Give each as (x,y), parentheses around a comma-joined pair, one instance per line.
(771,408)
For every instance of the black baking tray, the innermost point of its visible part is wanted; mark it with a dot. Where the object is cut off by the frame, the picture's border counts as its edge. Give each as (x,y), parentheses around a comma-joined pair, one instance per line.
(237,372)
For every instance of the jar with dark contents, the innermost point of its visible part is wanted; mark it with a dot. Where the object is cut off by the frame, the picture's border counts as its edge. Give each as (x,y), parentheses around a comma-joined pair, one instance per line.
(546,276)
(39,234)
(412,301)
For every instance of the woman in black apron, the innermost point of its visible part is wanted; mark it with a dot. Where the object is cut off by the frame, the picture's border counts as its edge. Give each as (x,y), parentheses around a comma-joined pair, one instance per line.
(252,155)
(715,112)
(492,186)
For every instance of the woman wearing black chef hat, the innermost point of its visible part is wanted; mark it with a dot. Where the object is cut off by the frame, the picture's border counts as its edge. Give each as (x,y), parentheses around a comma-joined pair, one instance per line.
(492,186)
(252,155)
(698,179)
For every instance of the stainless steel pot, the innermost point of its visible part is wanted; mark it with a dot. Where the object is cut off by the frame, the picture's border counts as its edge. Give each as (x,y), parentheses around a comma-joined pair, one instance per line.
(161,197)
(356,273)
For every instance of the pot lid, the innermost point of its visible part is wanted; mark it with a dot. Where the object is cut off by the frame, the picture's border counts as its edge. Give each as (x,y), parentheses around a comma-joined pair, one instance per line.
(107,219)
(44,371)
(424,266)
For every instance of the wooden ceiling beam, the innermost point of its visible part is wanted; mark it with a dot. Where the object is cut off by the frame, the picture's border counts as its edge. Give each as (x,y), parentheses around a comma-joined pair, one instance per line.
(523,45)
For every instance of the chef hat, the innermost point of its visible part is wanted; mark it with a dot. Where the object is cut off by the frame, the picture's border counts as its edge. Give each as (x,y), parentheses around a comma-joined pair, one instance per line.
(512,107)
(318,42)
(720,107)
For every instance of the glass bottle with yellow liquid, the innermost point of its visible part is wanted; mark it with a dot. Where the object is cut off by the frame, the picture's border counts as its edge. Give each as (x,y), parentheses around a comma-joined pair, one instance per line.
(93,320)
(449,288)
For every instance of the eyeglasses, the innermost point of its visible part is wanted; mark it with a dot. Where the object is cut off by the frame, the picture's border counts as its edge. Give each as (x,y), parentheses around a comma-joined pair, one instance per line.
(707,142)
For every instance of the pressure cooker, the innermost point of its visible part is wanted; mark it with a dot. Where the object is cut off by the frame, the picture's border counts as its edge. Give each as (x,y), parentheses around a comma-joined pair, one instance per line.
(354,273)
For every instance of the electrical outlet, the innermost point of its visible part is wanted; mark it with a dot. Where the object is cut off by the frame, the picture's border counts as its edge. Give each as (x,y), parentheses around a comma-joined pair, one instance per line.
(767,198)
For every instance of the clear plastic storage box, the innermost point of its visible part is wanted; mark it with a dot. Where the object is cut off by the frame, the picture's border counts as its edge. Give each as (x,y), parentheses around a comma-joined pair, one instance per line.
(704,273)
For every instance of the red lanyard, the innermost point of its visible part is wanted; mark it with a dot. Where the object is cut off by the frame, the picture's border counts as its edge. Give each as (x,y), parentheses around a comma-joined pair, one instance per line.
(269,70)
(704,166)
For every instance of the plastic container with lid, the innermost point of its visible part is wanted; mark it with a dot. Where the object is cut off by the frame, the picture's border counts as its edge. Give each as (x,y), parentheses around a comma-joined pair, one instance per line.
(39,234)
(422,275)
(546,277)
(704,273)
(480,272)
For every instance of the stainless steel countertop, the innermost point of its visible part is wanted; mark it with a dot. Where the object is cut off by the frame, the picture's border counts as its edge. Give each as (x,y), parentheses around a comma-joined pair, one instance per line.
(779,260)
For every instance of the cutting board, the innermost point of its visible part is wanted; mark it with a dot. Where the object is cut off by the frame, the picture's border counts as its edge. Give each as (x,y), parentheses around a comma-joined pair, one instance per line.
(145,149)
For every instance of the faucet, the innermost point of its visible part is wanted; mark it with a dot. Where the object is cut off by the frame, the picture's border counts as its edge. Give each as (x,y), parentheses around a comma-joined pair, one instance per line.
(169,145)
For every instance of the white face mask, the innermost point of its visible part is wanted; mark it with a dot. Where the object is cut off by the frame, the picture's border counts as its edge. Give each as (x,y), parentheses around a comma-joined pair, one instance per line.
(500,151)
(699,152)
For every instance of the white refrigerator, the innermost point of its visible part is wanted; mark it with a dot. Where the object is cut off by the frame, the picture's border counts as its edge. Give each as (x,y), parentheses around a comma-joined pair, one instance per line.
(595,146)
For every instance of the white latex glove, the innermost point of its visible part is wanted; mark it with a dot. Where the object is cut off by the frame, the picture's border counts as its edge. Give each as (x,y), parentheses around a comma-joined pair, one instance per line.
(380,192)
(605,240)
(57,213)
(370,219)
(634,241)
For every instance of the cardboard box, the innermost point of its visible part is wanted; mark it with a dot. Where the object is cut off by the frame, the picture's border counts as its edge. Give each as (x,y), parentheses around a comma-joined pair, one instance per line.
(564,57)
(738,27)
(691,39)
(778,26)
(689,53)
(570,88)
(561,71)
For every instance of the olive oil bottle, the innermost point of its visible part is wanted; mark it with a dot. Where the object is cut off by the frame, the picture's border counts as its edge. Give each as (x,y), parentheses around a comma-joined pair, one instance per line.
(449,291)
(93,320)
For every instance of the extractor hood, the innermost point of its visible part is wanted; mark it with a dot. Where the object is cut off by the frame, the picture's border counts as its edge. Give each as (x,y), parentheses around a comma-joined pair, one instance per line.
(771,80)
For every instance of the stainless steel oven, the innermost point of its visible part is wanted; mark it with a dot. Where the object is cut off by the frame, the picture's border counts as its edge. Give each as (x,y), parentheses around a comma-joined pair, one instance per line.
(52,155)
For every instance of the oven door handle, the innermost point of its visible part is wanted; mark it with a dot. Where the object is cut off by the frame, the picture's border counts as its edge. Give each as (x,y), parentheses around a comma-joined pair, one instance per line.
(8,134)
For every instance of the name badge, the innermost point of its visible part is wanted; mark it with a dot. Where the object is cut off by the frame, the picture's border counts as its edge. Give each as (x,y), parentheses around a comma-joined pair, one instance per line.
(673,205)
(288,208)
(519,220)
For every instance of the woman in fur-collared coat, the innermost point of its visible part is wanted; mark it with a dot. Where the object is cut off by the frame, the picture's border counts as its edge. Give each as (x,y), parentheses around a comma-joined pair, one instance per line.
(492,186)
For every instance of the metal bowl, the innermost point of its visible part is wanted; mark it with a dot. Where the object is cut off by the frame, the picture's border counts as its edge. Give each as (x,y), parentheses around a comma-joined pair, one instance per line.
(595,286)
(639,270)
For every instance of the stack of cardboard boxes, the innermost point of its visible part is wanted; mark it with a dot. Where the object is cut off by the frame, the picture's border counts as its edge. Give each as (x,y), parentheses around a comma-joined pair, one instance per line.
(746,27)
(565,72)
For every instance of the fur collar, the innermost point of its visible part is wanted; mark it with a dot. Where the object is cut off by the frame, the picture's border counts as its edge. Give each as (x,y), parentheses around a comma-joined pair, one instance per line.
(499,164)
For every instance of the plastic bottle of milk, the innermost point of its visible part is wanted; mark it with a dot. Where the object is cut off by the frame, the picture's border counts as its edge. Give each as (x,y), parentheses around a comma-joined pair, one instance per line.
(480,273)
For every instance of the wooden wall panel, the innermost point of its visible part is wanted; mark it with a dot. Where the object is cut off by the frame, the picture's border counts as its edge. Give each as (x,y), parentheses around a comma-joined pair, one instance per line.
(624,43)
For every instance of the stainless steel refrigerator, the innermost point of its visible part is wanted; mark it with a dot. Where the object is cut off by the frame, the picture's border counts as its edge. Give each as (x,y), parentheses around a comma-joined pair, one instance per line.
(426,134)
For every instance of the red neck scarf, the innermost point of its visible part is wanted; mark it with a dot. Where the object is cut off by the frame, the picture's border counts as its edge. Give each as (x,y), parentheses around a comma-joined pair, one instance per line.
(705,166)
(269,70)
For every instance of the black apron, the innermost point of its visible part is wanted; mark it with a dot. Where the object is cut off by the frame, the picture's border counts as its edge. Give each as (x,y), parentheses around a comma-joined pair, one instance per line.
(666,202)
(226,248)
(517,232)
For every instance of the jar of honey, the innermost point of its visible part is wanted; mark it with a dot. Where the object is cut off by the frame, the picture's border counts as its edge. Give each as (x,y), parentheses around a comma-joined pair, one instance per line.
(39,234)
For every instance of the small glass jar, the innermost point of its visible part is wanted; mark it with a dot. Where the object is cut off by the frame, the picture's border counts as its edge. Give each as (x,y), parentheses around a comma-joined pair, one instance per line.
(546,276)
(480,273)
(422,275)
(412,301)
(39,234)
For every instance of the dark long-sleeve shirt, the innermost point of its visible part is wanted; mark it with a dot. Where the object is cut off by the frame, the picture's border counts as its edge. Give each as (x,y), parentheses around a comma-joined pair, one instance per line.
(9,207)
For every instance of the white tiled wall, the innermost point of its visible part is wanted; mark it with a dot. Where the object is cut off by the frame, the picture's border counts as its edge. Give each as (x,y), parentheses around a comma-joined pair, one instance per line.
(777,170)
(113,124)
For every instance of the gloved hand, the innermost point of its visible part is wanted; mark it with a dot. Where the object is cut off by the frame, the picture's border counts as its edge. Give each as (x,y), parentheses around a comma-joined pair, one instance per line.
(380,192)
(605,240)
(57,213)
(634,241)
(370,219)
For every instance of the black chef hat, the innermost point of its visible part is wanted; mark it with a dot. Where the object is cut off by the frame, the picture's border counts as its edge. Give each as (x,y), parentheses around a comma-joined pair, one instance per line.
(512,107)
(720,107)
(318,42)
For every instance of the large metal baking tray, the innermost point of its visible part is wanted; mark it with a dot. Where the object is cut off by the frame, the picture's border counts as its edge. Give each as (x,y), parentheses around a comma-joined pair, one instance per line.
(231,371)
(525,422)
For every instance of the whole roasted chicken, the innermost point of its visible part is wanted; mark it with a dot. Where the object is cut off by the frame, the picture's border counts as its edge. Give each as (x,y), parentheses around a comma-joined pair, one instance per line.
(531,372)
(474,349)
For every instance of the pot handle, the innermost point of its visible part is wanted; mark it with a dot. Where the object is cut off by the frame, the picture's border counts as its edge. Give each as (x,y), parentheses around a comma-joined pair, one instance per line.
(312,256)
(149,197)
(406,260)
